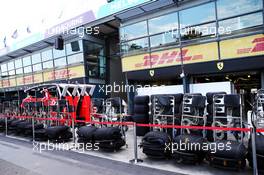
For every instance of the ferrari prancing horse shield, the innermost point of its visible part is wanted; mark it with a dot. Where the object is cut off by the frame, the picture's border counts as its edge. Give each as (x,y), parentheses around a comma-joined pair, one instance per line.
(220,65)
(151,73)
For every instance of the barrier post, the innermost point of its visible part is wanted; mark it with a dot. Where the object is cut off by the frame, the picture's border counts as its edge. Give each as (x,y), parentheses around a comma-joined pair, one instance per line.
(135,160)
(73,130)
(254,153)
(33,129)
(6,126)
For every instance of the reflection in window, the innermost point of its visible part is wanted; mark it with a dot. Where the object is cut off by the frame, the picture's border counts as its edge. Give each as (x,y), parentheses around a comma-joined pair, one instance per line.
(36,58)
(11,65)
(27,69)
(231,25)
(60,62)
(202,31)
(76,58)
(46,55)
(26,61)
(58,53)
(226,9)
(19,71)
(134,31)
(134,45)
(18,63)
(196,15)
(11,73)
(74,47)
(48,65)
(92,48)
(163,23)
(37,67)
(164,38)
(3,67)
(4,74)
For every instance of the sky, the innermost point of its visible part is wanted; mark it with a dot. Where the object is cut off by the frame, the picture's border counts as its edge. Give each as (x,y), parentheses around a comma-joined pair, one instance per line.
(39,15)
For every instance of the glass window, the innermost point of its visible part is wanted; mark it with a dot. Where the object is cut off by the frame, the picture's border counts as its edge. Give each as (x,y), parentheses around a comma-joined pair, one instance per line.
(4,74)
(231,25)
(3,67)
(134,31)
(46,55)
(18,63)
(48,65)
(74,47)
(58,53)
(26,61)
(196,15)
(11,65)
(11,73)
(92,48)
(36,58)
(27,69)
(60,62)
(19,71)
(37,67)
(163,23)
(139,44)
(164,38)
(202,31)
(76,58)
(226,9)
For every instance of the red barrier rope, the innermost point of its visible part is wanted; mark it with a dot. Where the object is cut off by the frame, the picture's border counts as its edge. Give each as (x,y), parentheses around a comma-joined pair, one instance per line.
(138,124)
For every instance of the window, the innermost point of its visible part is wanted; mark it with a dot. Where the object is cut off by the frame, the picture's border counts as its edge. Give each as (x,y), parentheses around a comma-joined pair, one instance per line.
(4,67)
(27,69)
(164,38)
(60,62)
(11,73)
(19,71)
(134,45)
(74,47)
(37,67)
(227,9)
(11,65)
(76,58)
(134,31)
(18,63)
(26,61)
(46,55)
(163,23)
(92,48)
(58,53)
(48,65)
(36,58)
(234,24)
(197,15)
(202,31)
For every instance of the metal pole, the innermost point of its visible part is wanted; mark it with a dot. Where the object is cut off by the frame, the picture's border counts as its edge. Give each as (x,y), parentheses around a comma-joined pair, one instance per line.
(135,160)
(6,125)
(254,153)
(73,129)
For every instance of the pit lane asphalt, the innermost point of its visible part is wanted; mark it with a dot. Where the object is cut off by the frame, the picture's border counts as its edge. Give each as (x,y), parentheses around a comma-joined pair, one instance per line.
(17,157)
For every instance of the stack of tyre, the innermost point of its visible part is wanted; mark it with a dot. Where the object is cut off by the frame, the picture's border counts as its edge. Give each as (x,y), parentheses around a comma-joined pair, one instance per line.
(210,111)
(2,124)
(232,153)
(107,138)
(156,145)
(58,133)
(188,147)
(141,114)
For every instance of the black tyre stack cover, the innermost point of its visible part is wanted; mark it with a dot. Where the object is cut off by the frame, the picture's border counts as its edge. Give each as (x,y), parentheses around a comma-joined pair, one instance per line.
(141,114)
(107,138)
(59,133)
(188,149)
(155,144)
(231,155)
(259,151)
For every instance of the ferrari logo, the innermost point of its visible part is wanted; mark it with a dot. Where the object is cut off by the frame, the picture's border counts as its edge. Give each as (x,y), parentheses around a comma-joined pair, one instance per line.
(151,73)
(220,65)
